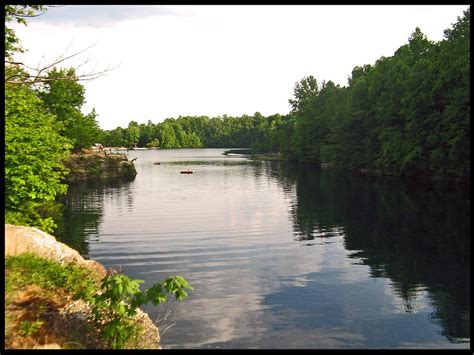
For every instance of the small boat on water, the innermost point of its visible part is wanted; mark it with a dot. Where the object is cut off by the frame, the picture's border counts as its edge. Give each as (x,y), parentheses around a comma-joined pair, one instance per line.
(186,171)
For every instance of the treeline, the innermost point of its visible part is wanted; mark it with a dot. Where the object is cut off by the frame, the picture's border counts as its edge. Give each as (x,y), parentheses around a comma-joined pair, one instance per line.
(254,131)
(408,114)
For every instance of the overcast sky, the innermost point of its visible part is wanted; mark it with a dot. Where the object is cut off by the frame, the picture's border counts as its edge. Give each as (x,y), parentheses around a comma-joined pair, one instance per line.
(215,60)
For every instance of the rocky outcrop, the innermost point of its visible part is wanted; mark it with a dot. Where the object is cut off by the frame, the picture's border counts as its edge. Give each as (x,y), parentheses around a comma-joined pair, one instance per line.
(84,167)
(20,239)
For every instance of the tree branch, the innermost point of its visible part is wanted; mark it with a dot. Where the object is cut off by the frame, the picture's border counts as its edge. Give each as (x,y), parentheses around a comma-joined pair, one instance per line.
(40,75)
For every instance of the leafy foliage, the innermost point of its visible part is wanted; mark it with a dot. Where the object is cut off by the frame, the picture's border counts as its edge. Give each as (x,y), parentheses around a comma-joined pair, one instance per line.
(408,114)
(200,131)
(114,307)
(33,153)
(63,96)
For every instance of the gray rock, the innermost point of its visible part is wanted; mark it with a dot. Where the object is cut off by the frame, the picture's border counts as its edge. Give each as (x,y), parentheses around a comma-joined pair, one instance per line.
(19,240)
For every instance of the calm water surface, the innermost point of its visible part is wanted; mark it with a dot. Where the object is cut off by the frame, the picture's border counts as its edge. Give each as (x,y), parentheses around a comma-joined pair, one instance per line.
(282,255)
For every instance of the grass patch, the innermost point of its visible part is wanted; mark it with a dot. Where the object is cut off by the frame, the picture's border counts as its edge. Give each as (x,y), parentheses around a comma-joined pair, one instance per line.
(35,291)
(30,269)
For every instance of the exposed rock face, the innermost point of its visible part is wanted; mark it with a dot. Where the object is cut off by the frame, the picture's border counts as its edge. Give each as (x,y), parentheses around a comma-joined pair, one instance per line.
(19,240)
(151,335)
(84,167)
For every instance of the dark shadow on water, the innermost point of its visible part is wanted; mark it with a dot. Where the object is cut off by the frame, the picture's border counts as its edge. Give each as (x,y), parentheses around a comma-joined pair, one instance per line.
(417,235)
(82,212)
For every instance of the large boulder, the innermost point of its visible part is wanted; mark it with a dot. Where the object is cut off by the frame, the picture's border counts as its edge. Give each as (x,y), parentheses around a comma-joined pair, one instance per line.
(19,240)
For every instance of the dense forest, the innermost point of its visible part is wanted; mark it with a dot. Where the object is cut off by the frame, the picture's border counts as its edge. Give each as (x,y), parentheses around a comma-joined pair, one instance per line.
(408,114)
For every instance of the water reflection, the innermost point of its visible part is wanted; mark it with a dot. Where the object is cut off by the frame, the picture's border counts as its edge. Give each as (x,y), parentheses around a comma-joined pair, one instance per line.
(417,236)
(83,210)
(284,255)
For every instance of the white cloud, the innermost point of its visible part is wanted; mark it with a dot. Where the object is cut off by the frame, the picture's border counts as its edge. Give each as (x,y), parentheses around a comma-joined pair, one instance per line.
(101,15)
(215,60)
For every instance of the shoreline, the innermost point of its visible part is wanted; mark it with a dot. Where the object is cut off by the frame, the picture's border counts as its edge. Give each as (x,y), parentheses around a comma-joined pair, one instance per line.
(367,172)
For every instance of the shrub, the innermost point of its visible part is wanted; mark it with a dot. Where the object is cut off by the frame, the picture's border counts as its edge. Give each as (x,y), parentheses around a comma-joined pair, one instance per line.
(114,307)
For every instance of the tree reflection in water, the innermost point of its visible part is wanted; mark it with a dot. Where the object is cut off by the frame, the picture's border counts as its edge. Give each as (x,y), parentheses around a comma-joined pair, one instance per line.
(415,234)
(83,210)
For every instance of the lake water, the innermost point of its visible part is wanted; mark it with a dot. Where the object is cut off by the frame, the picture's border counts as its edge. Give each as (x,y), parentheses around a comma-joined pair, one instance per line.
(283,255)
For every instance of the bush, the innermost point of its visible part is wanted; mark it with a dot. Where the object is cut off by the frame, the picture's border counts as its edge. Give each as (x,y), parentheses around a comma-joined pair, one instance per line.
(114,307)
(113,303)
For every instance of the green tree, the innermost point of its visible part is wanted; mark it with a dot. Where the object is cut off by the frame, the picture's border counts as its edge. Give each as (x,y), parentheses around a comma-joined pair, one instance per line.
(167,135)
(115,137)
(85,130)
(131,134)
(34,150)
(63,96)
(452,157)
(303,92)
